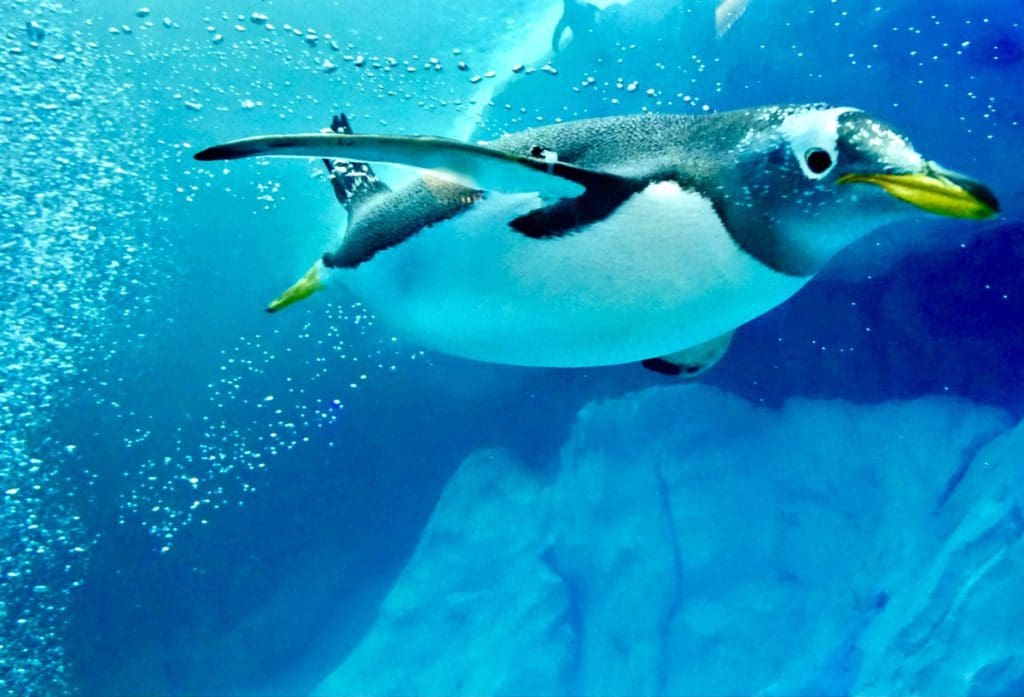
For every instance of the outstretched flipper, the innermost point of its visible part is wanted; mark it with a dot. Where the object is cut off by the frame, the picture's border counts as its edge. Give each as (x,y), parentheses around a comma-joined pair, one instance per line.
(353,182)
(476,166)
(577,17)
(693,361)
(580,195)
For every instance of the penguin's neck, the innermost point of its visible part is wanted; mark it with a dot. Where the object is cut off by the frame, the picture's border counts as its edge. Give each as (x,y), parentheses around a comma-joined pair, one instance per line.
(815,242)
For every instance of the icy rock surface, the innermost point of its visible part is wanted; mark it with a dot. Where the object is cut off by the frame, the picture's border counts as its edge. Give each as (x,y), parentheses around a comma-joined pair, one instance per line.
(690,542)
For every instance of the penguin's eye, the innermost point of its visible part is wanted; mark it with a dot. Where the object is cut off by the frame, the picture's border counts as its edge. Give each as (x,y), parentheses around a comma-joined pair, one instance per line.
(818,160)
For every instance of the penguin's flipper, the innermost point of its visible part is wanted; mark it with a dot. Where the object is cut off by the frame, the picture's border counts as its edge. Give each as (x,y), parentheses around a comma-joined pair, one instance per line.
(693,361)
(560,28)
(475,166)
(354,182)
(577,17)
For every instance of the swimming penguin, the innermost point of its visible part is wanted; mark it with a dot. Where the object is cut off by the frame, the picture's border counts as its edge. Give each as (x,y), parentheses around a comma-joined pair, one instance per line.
(579,17)
(644,238)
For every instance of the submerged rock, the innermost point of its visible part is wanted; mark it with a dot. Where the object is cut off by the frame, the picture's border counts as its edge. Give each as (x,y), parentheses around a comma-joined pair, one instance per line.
(690,542)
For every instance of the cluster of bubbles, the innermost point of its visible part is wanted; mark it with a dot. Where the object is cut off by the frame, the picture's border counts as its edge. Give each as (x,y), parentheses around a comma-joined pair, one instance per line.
(78,223)
(456,78)
(177,475)
(216,466)
(68,260)
(234,41)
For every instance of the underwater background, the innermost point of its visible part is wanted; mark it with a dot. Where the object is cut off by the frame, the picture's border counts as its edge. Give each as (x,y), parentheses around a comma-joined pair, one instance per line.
(199,499)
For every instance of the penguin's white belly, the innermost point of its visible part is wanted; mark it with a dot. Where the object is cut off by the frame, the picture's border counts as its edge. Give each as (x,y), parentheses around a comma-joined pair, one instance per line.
(658,275)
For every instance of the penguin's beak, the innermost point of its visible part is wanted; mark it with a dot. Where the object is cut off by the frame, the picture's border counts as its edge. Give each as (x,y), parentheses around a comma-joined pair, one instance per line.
(936,190)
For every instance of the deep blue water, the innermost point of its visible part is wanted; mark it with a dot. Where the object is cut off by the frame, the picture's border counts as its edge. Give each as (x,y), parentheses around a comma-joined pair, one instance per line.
(202,499)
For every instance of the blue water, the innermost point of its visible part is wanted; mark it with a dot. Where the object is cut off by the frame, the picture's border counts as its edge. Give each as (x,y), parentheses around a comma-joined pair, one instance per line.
(202,499)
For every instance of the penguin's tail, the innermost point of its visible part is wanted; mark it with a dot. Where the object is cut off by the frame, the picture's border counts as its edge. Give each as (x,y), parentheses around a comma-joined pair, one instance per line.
(354,183)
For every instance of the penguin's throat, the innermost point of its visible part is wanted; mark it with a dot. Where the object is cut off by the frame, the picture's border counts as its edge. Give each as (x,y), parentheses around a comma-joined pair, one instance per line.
(811,244)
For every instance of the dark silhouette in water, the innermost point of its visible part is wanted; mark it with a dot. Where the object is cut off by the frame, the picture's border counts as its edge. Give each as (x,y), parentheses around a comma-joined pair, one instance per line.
(581,17)
(577,17)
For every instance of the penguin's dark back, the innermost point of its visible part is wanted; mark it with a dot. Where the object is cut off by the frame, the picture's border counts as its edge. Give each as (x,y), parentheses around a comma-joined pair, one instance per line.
(644,143)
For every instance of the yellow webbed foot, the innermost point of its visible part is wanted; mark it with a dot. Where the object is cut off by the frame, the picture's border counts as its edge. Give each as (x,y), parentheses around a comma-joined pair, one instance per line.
(310,283)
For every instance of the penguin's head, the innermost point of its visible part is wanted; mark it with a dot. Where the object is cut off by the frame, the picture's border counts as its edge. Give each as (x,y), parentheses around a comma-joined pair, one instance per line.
(808,181)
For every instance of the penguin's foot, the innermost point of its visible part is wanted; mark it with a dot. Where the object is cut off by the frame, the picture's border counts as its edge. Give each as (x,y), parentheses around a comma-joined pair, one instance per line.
(693,361)
(310,283)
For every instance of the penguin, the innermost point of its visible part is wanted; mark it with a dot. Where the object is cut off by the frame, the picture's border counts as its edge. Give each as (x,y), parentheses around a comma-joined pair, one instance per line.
(648,238)
(579,17)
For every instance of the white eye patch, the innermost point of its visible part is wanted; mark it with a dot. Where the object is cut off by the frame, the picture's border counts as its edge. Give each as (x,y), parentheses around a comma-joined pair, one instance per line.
(811,135)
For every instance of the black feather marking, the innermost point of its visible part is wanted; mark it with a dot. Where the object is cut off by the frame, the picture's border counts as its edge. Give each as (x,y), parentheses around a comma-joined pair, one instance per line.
(660,365)
(569,214)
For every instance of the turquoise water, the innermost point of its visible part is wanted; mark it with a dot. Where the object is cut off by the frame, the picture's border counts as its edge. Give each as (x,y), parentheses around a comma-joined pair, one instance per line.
(200,499)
